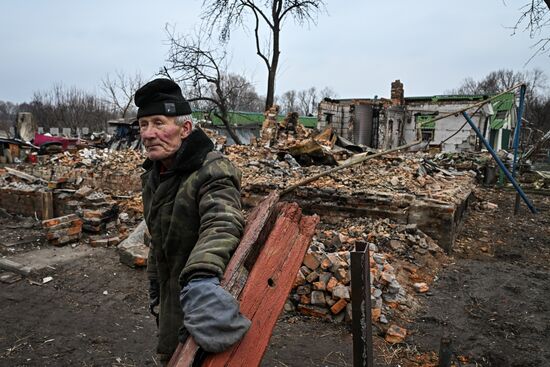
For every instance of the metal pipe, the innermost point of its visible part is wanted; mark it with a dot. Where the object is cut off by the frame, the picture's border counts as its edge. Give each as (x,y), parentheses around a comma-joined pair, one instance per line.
(517,132)
(499,162)
(517,135)
(481,103)
(361,306)
(445,352)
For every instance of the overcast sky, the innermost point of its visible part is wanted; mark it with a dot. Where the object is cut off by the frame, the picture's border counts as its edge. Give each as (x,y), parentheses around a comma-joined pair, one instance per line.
(357,47)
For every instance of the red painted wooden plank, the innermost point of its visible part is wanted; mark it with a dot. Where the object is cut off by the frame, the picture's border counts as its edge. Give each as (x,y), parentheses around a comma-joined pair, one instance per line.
(259,224)
(268,286)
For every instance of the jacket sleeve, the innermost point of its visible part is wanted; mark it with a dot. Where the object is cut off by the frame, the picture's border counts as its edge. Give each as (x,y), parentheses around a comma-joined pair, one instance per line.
(221,221)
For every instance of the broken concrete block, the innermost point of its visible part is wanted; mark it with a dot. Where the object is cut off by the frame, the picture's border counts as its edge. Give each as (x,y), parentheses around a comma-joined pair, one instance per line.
(421,287)
(83,192)
(394,287)
(341,291)
(305,270)
(319,286)
(395,334)
(289,306)
(324,277)
(318,298)
(313,276)
(134,256)
(386,278)
(343,275)
(303,289)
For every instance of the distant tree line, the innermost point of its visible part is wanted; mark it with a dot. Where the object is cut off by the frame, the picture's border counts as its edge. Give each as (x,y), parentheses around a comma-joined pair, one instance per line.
(62,106)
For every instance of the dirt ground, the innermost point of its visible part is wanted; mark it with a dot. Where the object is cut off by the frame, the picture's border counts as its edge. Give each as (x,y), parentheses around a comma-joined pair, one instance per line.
(492,301)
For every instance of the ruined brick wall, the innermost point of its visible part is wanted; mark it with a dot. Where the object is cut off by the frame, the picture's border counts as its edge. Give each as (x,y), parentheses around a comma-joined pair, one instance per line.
(338,115)
(463,141)
(441,221)
(397,93)
(112,181)
(27,202)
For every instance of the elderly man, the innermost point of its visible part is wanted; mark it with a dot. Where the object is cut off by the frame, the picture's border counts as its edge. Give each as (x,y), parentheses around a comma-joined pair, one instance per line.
(191,202)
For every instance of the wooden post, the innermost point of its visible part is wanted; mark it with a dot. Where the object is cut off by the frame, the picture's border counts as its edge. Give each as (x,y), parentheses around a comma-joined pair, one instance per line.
(47,205)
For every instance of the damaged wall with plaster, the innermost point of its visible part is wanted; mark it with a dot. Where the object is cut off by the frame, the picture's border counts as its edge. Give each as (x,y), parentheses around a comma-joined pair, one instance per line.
(383,124)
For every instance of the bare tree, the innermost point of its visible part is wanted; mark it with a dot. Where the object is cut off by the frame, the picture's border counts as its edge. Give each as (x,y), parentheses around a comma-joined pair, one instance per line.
(303,101)
(69,107)
(327,92)
(289,101)
(268,17)
(203,71)
(242,95)
(120,90)
(537,102)
(8,114)
(535,19)
(500,80)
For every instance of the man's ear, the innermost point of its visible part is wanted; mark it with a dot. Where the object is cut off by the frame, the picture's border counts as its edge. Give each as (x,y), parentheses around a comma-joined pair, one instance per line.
(186,129)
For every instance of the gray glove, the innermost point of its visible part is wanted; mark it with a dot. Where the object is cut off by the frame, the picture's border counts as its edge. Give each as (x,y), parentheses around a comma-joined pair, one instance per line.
(154,298)
(211,315)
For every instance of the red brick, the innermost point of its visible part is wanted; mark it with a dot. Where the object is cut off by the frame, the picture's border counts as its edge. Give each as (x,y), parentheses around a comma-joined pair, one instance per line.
(339,306)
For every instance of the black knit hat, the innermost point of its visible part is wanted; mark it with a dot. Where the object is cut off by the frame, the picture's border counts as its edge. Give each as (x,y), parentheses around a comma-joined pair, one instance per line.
(161,97)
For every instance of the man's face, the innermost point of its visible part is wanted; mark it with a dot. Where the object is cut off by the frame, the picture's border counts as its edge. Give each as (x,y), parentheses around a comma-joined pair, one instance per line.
(161,136)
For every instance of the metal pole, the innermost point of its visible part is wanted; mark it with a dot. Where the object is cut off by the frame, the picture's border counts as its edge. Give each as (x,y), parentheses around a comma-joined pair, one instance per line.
(517,136)
(517,132)
(361,306)
(445,352)
(499,162)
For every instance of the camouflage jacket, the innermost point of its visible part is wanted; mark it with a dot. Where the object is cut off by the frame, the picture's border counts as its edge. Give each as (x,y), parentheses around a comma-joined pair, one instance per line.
(193,214)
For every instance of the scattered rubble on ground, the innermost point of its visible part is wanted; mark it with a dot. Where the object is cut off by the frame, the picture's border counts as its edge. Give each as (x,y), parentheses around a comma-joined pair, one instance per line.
(405,173)
(103,211)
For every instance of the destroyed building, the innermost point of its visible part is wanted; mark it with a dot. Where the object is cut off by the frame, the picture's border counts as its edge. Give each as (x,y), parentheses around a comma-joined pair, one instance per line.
(382,123)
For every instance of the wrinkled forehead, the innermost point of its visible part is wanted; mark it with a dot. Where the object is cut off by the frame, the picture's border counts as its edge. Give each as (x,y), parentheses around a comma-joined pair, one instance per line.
(152,118)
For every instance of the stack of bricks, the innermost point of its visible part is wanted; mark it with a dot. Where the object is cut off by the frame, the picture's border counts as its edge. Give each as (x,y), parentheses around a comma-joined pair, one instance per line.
(63,230)
(322,287)
(99,211)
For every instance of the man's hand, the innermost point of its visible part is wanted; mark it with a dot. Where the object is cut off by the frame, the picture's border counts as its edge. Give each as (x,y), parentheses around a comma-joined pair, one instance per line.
(211,315)
(154,297)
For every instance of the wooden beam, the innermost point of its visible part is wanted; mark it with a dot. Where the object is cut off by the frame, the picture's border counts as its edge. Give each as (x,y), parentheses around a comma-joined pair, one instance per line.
(267,280)
(259,225)
(268,286)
